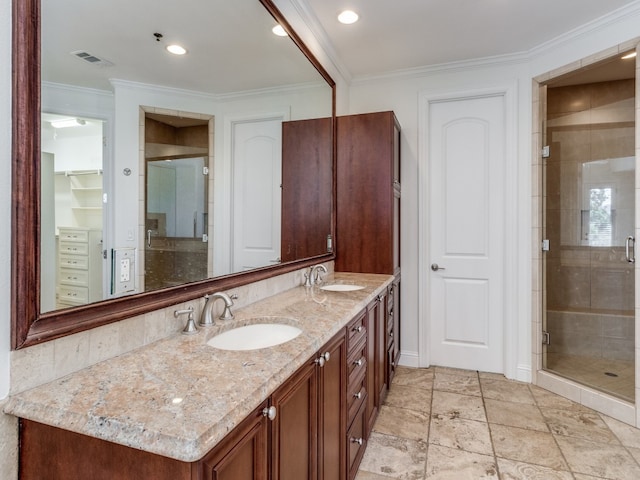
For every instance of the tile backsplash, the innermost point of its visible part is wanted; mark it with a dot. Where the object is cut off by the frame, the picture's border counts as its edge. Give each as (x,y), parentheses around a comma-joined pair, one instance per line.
(48,361)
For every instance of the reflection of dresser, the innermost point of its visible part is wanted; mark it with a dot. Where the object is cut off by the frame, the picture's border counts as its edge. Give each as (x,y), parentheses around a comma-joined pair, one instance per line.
(79,266)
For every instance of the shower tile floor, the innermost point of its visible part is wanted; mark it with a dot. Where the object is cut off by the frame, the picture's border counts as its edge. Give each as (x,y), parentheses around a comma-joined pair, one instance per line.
(592,372)
(442,423)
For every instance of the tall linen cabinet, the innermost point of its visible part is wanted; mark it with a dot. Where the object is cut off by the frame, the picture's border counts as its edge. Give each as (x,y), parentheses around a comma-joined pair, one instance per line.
(368,229)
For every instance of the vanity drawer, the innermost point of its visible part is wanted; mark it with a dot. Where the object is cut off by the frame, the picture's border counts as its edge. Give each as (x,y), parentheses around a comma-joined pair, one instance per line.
(73,295)
(390,332)
(70,235)
(356,330)
(356,395)
(74,261)
(69,276)
(356,441)
(357,361)
(75,248)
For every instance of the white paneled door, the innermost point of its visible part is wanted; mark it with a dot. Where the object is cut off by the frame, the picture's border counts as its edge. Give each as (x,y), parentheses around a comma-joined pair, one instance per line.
(257,175)
(466,138)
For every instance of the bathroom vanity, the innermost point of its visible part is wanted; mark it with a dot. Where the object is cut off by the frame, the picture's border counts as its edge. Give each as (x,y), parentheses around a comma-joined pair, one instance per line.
(180,408)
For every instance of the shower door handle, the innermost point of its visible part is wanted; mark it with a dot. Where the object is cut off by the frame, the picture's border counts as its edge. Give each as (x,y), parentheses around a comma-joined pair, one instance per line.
(630,249)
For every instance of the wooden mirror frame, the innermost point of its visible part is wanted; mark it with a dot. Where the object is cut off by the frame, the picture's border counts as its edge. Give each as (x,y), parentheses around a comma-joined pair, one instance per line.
(28,325)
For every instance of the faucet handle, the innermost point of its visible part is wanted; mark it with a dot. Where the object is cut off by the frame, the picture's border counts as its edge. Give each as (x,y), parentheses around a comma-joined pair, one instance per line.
(190,328)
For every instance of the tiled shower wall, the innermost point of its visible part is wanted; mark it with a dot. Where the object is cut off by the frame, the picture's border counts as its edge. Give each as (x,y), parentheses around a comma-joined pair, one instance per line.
(591,335)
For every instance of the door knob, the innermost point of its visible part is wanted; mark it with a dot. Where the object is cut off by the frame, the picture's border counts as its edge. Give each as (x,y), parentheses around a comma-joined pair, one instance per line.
(435,267)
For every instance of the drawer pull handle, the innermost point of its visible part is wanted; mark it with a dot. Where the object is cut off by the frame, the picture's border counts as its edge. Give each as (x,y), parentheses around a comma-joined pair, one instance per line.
(359,362)
(269,412)
(357,329)
(357,395)
(359,441)
(391,334)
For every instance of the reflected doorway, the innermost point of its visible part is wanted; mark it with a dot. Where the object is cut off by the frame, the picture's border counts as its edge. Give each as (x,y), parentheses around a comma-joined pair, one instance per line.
(73,201)
(176,200)
(589,225)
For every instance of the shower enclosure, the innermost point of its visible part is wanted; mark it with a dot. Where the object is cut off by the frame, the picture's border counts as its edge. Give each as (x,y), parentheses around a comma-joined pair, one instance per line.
(589,223)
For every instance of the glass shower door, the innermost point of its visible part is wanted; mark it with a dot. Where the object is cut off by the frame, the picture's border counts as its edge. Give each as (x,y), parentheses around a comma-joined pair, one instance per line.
(589,220)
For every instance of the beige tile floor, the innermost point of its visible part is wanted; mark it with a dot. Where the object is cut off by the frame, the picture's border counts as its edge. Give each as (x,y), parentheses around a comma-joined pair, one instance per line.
(441,423)
(593,371)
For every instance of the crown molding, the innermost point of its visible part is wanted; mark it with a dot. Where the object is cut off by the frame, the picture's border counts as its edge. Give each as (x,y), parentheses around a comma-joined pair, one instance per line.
(462,65)
(76,89)
(608,20)
(315,27)
(223,97)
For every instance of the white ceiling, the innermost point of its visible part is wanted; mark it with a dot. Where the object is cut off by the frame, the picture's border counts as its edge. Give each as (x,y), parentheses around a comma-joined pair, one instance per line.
(231,47)
(395,35)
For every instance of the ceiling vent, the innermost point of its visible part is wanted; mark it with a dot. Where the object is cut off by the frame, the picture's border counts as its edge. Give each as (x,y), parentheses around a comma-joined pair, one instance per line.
(92,59)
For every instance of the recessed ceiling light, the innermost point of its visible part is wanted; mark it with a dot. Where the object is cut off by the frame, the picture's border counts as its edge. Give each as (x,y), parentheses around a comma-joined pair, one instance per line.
(278,30)
(348,17)
(176,49)
(629,55)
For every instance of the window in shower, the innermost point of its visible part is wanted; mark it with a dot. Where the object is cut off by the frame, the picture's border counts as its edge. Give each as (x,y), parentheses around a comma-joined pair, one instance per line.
(597,220)
(589,211)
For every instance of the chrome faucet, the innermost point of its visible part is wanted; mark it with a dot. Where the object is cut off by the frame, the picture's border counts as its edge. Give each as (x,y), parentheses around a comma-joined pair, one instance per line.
(206,319)
(310,279)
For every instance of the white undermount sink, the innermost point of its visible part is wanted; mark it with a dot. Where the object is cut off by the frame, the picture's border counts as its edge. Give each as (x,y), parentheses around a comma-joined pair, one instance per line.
(253,337)
(340,287)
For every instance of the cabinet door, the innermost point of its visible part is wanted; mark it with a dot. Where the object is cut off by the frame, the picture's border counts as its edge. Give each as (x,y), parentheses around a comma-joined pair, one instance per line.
(294,431)
(394,317)
(372,403)
(57,454)
(366,168)
(306,187)
(332,411)
(242,455)
(381,348)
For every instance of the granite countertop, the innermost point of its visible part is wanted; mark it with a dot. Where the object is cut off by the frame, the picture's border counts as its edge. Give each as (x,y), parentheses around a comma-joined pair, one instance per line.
(179,397)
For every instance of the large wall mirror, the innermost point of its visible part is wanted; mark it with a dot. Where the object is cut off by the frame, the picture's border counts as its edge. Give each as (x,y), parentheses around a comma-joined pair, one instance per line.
(143,178)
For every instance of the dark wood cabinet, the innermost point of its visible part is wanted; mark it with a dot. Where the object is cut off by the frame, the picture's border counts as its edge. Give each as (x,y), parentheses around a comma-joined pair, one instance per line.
(358,396)
(332,412)
(307,178)
(372,398)
(57,454)
(393,329)
(368,234)
(308,437)
(376,359)
(308,433)
(382,341)
(294,431)
(368,193)
(242,455)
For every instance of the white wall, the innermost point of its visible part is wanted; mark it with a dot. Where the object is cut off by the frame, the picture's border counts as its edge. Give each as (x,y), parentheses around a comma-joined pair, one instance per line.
(401,93)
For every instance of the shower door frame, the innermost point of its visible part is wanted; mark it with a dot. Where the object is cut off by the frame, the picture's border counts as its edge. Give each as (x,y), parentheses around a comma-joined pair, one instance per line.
(595,399)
